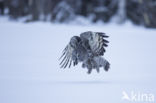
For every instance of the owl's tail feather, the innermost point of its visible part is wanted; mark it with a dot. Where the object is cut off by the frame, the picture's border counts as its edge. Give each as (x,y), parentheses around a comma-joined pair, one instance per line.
(102,62)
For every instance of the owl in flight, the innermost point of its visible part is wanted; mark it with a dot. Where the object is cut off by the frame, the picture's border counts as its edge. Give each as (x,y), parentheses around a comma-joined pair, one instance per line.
(87,48)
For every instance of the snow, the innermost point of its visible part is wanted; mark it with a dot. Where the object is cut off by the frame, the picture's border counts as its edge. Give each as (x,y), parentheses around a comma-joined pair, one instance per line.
(30,73)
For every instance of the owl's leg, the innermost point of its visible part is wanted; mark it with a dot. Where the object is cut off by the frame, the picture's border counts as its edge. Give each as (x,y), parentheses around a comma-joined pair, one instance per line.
(97,69)
(83,65)
(107,66)
(74,57)
(103,63)
(75,61)
(89,66)
(89,70)
(95,65)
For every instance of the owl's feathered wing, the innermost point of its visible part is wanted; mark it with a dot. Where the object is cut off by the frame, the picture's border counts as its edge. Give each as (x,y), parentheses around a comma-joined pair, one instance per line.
(95,41)
(69,54)
(98,43)
(66,56)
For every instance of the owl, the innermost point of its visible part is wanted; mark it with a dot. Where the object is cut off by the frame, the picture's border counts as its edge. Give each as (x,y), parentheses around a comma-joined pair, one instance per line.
(87,48)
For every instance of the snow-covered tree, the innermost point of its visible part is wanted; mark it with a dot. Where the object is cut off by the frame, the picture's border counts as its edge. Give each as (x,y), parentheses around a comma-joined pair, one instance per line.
(63,12)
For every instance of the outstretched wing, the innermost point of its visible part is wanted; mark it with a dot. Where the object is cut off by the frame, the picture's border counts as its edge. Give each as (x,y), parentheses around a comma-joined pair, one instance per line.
(66,57)
(98,43)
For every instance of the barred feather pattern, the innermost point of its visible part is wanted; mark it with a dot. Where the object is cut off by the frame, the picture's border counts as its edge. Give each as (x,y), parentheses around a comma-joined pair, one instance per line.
(88,49)
(66,56)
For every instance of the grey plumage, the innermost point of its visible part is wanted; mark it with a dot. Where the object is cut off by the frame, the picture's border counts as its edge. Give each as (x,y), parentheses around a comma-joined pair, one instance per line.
(88,49)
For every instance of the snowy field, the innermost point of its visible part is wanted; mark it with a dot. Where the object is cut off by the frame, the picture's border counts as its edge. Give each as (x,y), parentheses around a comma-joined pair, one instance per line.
(30,73)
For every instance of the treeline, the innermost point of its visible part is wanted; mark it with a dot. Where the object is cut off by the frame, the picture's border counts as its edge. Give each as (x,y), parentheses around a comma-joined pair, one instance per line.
(141,12)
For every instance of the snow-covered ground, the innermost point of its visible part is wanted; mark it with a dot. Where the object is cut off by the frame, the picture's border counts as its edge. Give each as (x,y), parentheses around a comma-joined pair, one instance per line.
(30,73)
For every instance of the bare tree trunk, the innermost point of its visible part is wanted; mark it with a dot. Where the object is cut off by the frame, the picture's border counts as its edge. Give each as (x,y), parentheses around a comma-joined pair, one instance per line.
(2,7)
(121,13)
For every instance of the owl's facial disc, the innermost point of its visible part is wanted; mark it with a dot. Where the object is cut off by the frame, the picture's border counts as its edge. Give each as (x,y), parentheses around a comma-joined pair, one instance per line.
(74,42)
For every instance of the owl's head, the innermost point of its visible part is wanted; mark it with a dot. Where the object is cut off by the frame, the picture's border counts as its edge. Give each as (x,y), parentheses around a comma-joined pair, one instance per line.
(75,41)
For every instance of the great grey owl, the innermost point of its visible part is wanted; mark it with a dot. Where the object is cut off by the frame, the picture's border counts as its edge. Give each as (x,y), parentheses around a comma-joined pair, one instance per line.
(88,49)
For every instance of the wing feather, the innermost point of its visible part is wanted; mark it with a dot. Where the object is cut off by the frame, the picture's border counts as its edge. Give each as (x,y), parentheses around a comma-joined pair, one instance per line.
(66,57)
(70,63)
(97,43)
(66,62)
